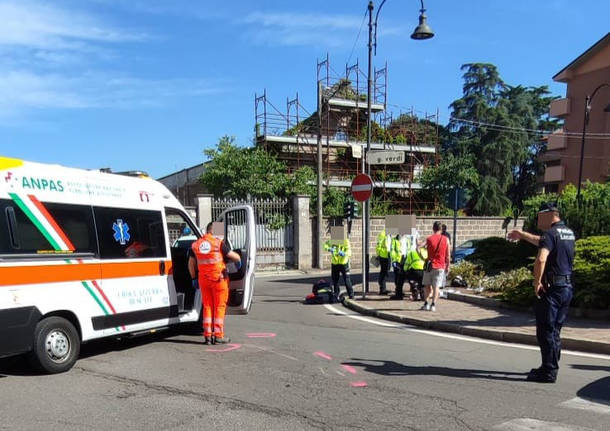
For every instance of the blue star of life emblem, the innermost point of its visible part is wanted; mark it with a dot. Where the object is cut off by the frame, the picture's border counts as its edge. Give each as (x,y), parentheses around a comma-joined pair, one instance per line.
(121,231)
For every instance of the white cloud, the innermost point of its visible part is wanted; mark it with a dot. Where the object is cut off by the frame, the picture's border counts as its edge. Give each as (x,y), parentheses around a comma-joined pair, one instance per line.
(190,9)
(24,90)
(302,21)
(35,24)
(57,58)
(293,29)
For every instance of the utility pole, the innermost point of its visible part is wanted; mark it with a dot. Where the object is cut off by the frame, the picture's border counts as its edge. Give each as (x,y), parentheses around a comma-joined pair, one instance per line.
(319,179)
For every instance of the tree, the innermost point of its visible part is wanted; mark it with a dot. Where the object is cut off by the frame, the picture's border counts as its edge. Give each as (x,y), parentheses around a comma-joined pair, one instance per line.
(239,172)
(451,172)
(495,125)
(531,105)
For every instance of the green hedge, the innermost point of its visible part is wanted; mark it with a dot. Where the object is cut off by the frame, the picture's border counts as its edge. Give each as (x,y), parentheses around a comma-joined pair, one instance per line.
(494,255)
(506,268)
(592,272)
(590,217)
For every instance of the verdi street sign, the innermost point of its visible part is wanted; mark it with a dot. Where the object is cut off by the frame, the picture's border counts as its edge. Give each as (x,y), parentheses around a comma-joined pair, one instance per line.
(386,157)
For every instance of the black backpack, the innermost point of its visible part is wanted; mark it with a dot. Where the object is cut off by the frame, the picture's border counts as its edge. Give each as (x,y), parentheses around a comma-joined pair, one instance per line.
(321,293)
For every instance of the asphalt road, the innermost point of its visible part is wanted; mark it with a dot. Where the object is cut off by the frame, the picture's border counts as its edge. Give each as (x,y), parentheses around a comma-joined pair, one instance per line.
(300,367)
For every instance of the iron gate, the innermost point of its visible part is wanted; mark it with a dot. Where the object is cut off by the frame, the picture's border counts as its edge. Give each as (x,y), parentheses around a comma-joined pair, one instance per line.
(274,230)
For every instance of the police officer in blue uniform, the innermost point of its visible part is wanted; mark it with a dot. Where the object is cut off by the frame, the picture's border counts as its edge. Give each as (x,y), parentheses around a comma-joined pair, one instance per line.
(553,286)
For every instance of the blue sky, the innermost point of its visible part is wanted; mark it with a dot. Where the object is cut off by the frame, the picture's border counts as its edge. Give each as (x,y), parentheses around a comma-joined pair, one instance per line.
(148,84)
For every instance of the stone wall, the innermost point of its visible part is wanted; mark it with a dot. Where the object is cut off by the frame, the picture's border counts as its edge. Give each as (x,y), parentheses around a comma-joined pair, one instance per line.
(467,228)
(305,241)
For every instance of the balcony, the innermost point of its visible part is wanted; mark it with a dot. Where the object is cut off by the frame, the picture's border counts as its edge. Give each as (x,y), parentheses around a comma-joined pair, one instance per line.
(554,174)
(560,108)
(557,141)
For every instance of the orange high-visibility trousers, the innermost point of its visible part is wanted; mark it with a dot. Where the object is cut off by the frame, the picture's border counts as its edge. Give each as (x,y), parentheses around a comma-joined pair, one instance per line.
(215,295)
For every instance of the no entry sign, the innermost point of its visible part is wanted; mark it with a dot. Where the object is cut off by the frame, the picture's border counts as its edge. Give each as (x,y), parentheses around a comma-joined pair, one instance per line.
(362,187)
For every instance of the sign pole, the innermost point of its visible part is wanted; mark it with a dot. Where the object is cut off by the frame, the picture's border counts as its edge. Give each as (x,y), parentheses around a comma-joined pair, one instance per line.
(455,208)
(364,218)
(362,189)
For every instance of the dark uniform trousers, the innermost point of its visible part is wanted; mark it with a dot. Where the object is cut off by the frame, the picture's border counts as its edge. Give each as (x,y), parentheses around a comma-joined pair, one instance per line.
(399,279)
(551,313)
(415,278)
(384,264)
(336,271)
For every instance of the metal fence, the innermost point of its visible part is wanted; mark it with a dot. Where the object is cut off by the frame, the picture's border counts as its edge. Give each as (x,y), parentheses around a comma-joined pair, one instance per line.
(274,229)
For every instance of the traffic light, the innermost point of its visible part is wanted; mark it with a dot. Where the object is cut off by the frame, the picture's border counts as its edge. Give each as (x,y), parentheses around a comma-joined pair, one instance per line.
(350,210)
(347,209)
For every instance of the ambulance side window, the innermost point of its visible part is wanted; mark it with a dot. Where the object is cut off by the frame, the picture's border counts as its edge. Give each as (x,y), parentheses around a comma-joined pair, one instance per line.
(46,229)
(129,233)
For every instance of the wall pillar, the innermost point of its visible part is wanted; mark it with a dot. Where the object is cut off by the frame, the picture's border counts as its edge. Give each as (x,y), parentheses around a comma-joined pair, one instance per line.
(204,210)
(302,232)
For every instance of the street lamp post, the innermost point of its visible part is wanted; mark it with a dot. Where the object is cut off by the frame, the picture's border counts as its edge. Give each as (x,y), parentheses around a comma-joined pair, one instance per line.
(421,32)
(588,101)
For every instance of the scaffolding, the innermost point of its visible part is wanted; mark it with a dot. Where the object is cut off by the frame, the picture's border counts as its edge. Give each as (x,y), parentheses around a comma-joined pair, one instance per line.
(292,136)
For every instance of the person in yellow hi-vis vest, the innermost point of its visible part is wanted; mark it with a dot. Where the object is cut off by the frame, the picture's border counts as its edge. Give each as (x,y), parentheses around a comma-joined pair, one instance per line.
(400,246)
(414,271)
(341,251)
(384,246)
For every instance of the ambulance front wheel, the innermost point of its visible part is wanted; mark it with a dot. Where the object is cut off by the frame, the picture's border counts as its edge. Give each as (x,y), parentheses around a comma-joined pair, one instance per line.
(56,345)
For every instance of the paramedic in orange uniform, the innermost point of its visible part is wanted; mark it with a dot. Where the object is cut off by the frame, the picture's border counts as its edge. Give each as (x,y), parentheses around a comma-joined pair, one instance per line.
(210,254)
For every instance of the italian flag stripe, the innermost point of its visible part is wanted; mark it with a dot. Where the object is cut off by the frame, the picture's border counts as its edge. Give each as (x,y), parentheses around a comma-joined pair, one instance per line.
(30,214)
(101,292)
(84,283)
(48,227)
(52,222)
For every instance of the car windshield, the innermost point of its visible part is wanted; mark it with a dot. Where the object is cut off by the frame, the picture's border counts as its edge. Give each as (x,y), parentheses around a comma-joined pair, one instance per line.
(184,243)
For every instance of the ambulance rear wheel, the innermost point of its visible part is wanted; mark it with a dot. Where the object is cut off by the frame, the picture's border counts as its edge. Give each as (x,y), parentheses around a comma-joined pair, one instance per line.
(56,345)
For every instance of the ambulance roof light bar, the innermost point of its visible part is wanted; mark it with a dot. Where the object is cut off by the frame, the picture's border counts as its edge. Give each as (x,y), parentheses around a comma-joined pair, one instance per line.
(138,174)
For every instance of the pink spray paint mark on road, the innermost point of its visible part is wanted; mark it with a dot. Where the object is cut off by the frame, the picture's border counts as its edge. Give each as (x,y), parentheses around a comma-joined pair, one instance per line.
(358,384)
(261,335)
(226,349)
(349,368)
(323,355)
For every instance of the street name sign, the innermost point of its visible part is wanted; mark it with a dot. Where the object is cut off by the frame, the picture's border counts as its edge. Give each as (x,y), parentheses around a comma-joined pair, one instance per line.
(386,157)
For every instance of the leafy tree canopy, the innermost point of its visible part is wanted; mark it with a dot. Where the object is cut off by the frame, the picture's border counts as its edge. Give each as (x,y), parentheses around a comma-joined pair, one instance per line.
(451,172)
(239,172)
(495,125)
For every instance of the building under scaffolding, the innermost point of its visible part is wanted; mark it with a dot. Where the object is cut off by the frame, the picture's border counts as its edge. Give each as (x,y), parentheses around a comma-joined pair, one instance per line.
(339,123)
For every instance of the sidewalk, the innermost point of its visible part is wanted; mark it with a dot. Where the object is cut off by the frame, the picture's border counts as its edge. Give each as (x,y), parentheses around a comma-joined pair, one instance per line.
(484,320)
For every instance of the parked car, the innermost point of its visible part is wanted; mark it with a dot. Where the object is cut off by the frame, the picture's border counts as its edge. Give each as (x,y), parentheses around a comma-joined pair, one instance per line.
(184,241)
(464,249)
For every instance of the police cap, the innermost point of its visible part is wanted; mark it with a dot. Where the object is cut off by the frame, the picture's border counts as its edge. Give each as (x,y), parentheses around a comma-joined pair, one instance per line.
(548,207)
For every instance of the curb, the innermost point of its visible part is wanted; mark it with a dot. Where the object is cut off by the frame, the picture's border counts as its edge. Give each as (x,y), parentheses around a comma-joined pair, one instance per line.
(589,346)
(290,273)
(578,313)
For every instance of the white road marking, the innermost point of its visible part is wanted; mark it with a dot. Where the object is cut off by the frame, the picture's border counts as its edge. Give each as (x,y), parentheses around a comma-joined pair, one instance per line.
(583,404)
(365,319)
(458,337)
(527,424)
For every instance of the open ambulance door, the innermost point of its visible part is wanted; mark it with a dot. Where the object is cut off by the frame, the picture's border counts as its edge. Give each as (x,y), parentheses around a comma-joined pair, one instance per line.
(239,232)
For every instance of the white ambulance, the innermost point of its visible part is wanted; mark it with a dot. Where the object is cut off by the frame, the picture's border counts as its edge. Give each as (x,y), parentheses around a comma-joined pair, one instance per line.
(89,254)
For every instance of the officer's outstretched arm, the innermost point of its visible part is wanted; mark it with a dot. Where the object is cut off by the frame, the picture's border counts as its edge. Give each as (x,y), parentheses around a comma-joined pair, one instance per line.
(517,234)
